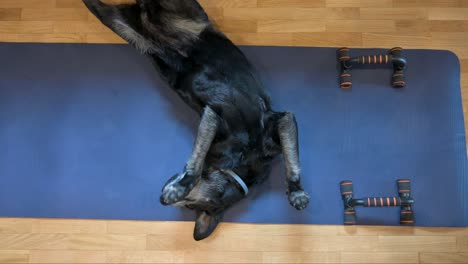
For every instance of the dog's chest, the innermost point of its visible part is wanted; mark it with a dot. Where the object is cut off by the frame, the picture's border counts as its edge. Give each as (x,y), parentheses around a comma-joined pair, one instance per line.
(236,152)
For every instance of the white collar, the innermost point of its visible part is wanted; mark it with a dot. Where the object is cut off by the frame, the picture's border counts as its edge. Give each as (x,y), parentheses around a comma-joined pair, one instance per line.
(238,180)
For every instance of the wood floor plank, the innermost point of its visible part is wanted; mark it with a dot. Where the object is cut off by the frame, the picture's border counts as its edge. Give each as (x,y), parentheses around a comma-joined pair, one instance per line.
(280,39)
(274,13)
(359,3)
(106,242)
(342,13)
(8,37)
(67,256)
(448,25)
(76,27)
(397,39)
(16,226)
(379,257)
(185,242)
(222,257)
(301,257)
(70,226)
(322,39)
(291,3)
(393,13)
(375,231)
(33,241)
(145,227)
(14,256)
(20,27)
(450,38)
(51,38)
(228,3)
(361,26)
(464,69)
(300,243)
(54,14)
(238,26)
(27,3)
(10,14)
(416,243)
(441,231)
(462,243)
(410,26)
(145,256)
(448,13)
(69,4)
(230,229)
(428,3)
(443,258)
(290,26)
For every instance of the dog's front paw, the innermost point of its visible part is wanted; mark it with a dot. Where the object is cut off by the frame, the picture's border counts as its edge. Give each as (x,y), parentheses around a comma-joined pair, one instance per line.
(299,199)
(177,188)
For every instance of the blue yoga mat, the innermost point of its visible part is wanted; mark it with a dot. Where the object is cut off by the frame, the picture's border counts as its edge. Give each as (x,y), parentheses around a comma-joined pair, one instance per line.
(91,131)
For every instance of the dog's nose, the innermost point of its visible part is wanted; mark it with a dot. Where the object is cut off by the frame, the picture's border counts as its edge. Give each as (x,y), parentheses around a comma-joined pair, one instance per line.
(163,201)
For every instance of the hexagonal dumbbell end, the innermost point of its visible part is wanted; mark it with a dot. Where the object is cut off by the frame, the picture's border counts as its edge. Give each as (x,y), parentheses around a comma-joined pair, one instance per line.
(345,76)
(399,66)
(346,188)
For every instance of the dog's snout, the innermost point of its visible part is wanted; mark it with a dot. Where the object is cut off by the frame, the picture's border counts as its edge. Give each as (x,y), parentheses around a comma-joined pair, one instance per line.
(163,201)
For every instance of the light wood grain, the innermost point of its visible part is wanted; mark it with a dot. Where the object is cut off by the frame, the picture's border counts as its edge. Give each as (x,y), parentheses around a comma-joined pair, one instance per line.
(10,14)
(67,256)
(430,3)
(54,14)
(69,227)
(106,242)
(17,226)
(437,24)
(393,13)
(301,257)
(14,256)
(443,257)
(379,257)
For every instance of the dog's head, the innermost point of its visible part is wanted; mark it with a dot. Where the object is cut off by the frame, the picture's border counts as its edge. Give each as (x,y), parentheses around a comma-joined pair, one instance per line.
(212,194)
(163,27)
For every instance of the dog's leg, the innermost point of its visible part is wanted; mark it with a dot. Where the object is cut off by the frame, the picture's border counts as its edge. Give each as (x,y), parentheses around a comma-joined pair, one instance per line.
(180,185)
(206,133)
(288,134)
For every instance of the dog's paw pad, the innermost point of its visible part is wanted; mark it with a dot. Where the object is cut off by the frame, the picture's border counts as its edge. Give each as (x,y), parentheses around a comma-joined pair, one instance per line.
(176,189)
(174,193)
(299,200)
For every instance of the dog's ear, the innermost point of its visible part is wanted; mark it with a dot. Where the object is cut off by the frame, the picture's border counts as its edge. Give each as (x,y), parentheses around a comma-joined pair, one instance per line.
(124,20)
(205,225)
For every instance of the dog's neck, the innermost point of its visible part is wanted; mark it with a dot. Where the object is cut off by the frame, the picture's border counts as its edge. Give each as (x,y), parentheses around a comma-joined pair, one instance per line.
(238,180)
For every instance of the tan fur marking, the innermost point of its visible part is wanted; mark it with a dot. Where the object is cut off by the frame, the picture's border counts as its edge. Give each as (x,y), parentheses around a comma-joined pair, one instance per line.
(130,35)
(188,26)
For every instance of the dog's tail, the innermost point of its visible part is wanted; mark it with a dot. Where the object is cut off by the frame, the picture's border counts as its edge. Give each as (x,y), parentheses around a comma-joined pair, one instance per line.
(166,28)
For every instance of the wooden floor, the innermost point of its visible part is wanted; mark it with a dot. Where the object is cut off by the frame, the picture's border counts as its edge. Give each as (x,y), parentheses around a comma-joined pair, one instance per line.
(438,24)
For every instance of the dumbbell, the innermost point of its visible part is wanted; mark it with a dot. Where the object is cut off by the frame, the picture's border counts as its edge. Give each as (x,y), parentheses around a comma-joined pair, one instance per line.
(394,57)
(404,201)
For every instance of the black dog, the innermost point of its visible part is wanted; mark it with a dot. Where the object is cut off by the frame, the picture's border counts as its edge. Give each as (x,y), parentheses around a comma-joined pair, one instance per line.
(239,133)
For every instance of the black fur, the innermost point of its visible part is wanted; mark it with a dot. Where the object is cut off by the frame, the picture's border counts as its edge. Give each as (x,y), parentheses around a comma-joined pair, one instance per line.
(209,73)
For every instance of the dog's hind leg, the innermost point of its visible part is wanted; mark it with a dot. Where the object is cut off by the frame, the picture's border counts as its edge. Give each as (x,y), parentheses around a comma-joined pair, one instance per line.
(180,185)
(288,134)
